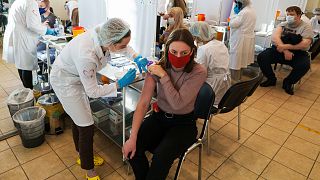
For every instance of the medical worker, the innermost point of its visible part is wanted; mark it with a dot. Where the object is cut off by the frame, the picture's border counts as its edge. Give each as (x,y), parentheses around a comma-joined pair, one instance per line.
(315,21)
(242,36)
(22,36)
(214,56)
(73,78)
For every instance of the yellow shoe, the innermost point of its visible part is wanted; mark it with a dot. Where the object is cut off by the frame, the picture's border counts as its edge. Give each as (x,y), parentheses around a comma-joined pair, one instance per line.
(98,161)
(92,178)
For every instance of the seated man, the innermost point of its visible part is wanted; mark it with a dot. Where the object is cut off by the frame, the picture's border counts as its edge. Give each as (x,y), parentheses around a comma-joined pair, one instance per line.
(290,40)
(315,23)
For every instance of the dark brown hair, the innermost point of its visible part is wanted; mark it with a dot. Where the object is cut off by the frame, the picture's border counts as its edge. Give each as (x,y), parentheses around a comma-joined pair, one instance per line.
(125,36)
(185,36)
(295,9)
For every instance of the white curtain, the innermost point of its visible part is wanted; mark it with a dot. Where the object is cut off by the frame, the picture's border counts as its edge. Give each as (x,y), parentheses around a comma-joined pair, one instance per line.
(92,12)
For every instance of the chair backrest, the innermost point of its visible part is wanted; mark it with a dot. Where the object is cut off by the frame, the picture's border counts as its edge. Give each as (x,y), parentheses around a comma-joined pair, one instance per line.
(256,75)
(203,104)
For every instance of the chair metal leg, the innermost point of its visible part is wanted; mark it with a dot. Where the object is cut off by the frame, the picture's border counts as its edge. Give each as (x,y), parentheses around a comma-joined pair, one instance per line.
(208,135)
(200,162)
(181,159)
(239,119)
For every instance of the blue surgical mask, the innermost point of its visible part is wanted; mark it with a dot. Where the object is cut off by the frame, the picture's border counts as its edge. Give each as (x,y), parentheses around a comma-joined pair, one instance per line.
(290,19)
(42,10)
(236,9)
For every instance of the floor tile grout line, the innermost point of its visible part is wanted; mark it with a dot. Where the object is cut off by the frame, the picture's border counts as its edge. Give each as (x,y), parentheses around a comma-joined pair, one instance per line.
(313,165)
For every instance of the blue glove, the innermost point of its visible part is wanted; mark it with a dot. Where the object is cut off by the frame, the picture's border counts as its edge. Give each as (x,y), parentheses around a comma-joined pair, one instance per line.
(51,32)
(127,79)
(236,9)
(141,63)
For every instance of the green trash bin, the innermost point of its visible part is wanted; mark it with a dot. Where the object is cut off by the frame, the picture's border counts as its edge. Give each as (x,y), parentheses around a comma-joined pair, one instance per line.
(30,125)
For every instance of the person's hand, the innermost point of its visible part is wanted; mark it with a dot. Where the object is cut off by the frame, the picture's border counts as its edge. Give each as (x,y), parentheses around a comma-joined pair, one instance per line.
(236,9)
(129,147)
(288,55)
(141,63)
(51,32)
(161,13)
(281,48)
(127,79)
(165,16)
(157,70)
(46,23)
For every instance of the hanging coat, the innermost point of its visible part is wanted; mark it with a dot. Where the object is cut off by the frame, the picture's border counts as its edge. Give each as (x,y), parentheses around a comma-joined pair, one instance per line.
(242,38)
(22,34)
(73,76)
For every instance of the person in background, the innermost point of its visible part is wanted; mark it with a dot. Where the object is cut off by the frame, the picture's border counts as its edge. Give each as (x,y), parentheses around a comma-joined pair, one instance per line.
(171,128)
(175,21)
(72,10)
(305,18)
(214,55)
(290,40)
(45,13)
(242,37)
(73,79)
(22,36)
(315,23)
(178,3)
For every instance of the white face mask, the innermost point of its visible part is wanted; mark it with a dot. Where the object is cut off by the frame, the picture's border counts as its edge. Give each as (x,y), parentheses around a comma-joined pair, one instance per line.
(290,19)
(318,17)
(171,21)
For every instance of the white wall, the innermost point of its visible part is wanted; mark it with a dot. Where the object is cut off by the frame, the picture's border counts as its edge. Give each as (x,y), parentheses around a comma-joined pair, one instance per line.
(58,8)
(92,13)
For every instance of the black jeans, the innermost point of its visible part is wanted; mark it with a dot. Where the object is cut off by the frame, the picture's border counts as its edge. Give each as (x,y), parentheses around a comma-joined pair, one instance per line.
(300,64)
(83,141)
(26,78)
(167,139)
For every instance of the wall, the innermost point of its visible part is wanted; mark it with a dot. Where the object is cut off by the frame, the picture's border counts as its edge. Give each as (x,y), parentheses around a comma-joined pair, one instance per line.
(58,8)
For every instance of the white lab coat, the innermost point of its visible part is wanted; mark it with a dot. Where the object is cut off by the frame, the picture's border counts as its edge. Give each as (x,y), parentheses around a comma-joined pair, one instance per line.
(72,4)
(242,38)
(315,25)
(73,76)
(215,57)
(22,34)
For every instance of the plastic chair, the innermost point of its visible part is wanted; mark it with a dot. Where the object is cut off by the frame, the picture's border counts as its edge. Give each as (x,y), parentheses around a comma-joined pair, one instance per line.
(203,105)
(235,96)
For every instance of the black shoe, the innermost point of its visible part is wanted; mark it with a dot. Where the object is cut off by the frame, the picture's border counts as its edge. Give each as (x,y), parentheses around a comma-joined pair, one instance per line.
(268,83)
(288,88)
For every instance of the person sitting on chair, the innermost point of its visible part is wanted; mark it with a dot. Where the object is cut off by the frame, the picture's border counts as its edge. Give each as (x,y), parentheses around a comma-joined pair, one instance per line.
(290,40)
(315,23)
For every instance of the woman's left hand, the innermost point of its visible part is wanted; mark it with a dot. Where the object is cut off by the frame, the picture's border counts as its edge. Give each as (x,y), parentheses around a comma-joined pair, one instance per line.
(157,70)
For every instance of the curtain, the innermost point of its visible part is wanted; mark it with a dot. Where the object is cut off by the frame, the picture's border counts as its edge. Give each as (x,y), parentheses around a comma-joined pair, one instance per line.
(92,13)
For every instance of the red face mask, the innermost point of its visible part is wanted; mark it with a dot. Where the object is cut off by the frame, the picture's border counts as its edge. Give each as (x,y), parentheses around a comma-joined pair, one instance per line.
(178,62)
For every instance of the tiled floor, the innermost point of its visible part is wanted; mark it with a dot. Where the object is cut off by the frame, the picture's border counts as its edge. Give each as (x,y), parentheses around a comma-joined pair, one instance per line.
(280,140)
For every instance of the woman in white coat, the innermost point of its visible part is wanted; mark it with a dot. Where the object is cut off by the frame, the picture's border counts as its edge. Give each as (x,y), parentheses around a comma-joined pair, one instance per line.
(242,37)
(22,36)
(214,55)
(73,78)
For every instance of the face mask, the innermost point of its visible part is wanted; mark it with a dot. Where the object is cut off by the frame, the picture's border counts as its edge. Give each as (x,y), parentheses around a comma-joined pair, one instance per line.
(42,10)
(318,17)
(236,9)
(178,62)
(171,21)
(290,19)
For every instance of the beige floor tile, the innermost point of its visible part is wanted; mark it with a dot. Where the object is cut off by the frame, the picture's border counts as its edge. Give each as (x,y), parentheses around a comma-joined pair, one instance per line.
(265,106)
(11,83)
(123,171)
(6,125)
(310,88)
(272,134)
(231,131)
(65,175)
(304,133)
(3,102)
(306,95)
(295,108)
(314,113)
(272,100)
(232,170)
(223,145)
(113,156)
(4,145)
(294,161)
(113,176)
(247,123)
(311,123)
(188,171)
(250,159)
(281,124)
(209,162)
(256,114)
(4,113)
(9,90)
(217,123)
(26,154)
(3,93)
(14,141)
(14,174)
(228,116)
(279,93)
(277,171)
(288,115)
(50,165)
(212,177)
(316,105)
(100,141)
(57,141)
(262,145)
(303,147)
(250,101)
(10,160)
(315,173)
(67,154)
(301,101)
(78,172)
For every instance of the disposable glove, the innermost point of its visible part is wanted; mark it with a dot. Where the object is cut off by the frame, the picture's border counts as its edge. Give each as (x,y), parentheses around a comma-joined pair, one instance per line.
(236,9)
(141,63)
(51,32)
(127,79)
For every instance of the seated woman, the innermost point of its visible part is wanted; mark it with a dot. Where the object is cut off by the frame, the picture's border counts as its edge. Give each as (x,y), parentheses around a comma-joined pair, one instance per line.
(171,128)
(46,13)
(175,21)
(214,55)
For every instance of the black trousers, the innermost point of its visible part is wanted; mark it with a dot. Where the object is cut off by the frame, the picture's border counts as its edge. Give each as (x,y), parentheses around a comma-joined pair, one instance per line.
(300,64)
(315,49)
(26,78)
(167,139)
(83,141)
